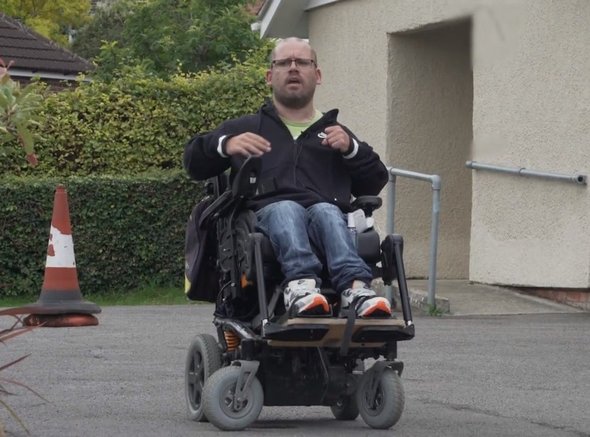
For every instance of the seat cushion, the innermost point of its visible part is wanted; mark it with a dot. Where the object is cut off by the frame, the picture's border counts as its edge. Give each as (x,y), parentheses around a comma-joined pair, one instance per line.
(369,246)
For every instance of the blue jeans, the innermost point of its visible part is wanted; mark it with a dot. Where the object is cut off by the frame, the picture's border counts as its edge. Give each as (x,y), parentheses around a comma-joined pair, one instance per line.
(298,235)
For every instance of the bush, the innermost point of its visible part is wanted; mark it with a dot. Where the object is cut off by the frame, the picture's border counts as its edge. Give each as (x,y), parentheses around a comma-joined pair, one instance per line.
(100,139)
(127,231)
(135,123)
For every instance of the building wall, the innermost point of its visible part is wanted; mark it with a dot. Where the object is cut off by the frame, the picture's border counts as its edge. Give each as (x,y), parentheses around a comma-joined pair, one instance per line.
(530,108)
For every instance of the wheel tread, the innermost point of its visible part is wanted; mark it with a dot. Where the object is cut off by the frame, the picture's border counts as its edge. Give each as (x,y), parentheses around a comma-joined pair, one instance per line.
(393,397)
(215,390)
(207,345)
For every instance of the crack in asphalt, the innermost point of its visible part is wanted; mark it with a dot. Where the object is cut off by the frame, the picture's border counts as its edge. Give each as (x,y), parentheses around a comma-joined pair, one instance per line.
(462,407)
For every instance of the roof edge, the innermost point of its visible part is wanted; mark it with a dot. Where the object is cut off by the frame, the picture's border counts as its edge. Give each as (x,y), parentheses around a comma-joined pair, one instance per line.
(17,72)
(282,18)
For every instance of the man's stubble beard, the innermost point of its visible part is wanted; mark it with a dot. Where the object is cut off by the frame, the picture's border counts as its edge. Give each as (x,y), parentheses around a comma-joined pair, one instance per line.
(296,101)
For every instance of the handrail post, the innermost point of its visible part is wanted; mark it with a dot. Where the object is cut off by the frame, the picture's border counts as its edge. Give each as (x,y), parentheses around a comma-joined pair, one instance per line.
(434,227)
(390,223)
(436,183)
(391,202)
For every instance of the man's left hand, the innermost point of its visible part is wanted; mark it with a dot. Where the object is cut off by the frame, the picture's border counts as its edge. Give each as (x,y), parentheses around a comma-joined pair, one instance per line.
(337,138)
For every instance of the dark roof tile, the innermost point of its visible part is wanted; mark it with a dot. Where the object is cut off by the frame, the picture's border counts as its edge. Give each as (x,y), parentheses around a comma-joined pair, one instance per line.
(31,51)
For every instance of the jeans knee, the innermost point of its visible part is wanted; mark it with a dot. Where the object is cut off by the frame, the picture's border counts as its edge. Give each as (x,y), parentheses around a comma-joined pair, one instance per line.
(279,216)
(286,208)
(325,212)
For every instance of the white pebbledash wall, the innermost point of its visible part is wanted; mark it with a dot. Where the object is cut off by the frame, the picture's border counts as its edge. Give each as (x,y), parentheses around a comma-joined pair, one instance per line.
(400,72)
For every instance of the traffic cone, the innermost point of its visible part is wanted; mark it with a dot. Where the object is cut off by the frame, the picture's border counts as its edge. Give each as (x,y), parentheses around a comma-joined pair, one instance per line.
(60,303)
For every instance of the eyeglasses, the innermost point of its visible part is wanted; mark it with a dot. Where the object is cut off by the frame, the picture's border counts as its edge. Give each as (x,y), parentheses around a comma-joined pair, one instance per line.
(284,64)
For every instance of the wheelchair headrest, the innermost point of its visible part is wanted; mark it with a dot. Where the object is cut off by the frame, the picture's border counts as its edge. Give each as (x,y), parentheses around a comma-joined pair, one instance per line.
(246,180)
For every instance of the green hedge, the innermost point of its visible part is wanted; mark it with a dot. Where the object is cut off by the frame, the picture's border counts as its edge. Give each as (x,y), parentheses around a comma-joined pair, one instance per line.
(135,123)
(127,231)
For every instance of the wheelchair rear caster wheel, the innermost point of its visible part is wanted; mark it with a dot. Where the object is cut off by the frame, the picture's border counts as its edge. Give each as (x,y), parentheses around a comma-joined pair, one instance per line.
(380,398)
(228,406)
(345,409)
(202,360)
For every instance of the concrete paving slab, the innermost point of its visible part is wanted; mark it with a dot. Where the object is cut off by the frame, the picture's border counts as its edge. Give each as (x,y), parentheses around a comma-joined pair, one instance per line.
(462,298)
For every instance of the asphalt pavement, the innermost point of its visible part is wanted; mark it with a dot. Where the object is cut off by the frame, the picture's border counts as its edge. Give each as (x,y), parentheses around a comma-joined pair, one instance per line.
(466,374)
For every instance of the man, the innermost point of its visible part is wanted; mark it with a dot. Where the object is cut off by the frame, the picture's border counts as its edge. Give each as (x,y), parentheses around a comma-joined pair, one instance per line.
(311,165)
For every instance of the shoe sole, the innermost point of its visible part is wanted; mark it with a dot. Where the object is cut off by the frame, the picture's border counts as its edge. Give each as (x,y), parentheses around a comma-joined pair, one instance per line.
(318,306)
(380,309)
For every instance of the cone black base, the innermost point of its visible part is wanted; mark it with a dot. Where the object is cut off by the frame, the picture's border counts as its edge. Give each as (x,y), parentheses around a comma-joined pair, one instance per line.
(60,320)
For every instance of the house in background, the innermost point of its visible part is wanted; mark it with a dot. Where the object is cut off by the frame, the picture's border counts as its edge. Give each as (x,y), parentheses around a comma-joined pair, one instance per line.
(34,55)
(433,84)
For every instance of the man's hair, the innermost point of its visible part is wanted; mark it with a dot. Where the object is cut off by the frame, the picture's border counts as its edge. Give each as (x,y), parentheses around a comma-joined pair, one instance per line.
(314,55)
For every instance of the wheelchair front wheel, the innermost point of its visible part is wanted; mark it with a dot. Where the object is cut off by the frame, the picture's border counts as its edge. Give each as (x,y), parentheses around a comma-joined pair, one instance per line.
(381,408)
(223,408)
(202,360)
(345,408)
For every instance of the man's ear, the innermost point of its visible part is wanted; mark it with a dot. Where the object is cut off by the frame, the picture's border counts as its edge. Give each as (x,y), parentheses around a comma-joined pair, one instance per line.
(318,76)
(268,76)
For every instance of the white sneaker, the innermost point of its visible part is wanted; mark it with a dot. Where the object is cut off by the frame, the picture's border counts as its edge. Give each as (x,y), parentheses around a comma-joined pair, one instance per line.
(366,301)
(303,298)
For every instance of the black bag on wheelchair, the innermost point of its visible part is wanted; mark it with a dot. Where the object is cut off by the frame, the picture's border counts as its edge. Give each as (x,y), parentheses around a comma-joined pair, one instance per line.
(201,279)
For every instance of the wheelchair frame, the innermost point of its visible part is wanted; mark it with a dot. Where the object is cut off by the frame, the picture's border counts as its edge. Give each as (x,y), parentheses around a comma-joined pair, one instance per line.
(272,359)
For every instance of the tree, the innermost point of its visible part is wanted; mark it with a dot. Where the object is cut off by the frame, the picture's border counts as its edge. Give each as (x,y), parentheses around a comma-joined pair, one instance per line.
(19,109)
(106,25)
(168,36)
(51,18)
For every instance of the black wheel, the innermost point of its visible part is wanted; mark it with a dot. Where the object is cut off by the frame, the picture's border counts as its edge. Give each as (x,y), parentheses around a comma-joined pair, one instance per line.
(383,408)
(346,408)
(221,406)
(202,360)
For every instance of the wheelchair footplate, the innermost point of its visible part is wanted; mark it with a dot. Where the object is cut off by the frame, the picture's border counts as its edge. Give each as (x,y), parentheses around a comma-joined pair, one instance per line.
(330,332)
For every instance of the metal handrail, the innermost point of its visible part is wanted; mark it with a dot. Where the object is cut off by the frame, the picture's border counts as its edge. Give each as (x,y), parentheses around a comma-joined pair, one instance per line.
(436,182)
(576,178)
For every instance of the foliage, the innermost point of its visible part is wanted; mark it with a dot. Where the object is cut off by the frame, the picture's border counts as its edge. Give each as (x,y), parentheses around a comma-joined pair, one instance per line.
(19,108)
(137,123)
(5,335)
(164,37)
(51,18)
(145,294)
(434,311)
(104,28)
(127,231)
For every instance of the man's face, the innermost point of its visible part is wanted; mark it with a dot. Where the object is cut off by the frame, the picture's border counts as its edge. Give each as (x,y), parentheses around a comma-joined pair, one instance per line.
(293,83)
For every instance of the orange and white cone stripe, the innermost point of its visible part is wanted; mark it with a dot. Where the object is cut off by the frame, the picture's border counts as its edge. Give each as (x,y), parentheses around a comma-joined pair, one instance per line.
(60,264)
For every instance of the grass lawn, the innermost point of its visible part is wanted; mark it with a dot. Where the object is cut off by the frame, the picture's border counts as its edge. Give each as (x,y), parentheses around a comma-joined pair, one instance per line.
(150,295)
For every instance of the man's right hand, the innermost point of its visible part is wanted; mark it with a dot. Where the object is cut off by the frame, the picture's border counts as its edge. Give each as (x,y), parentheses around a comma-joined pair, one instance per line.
(247,144)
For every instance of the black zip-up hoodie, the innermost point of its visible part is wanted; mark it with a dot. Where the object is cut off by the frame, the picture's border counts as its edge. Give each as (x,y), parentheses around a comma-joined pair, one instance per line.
(301,170)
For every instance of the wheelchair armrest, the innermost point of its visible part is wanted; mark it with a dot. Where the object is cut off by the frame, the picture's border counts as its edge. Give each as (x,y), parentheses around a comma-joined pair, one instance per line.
(367,203)
(244,186)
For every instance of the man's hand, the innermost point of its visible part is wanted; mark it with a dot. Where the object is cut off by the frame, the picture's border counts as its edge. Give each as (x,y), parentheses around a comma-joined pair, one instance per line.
(247,144)
(337,138)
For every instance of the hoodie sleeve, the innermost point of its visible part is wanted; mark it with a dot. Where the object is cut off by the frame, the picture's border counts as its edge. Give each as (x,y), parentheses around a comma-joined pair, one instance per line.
(368,174)
(203,154)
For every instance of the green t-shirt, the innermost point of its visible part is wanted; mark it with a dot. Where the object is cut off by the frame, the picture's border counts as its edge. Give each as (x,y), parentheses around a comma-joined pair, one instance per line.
(296,128)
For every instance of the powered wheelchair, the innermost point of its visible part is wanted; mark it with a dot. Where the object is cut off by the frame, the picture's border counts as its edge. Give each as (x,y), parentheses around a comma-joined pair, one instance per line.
(263,357)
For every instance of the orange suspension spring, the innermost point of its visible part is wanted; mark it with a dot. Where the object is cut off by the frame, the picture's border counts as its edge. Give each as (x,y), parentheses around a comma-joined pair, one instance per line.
(232,340)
